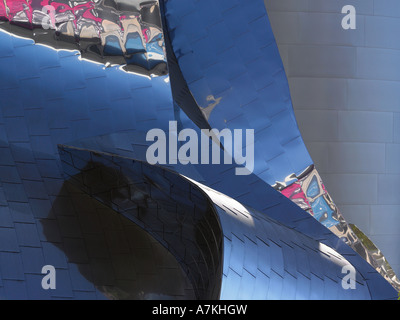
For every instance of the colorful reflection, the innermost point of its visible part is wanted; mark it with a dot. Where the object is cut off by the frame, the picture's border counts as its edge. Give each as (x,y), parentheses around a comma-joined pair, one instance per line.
(100,27)
(309,193)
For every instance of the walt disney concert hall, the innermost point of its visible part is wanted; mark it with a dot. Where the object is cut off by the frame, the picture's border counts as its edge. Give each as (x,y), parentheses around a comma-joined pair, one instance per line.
(163,149)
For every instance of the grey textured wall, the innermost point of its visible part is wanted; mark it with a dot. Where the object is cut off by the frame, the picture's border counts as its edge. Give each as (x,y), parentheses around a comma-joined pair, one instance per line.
(345,86)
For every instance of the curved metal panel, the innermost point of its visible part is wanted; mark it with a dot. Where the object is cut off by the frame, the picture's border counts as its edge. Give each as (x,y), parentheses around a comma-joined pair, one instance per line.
(97,76)
(52,93)
(229,251)
(165,205)
(236,76)
(233,68)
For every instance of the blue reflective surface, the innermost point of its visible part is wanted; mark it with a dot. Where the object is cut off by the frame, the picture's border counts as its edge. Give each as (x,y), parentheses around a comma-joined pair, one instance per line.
(52,97)
(236,252)
(227,51)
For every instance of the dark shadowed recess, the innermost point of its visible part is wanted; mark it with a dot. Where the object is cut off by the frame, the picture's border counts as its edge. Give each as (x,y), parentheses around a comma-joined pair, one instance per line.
(164,204)
(118,257)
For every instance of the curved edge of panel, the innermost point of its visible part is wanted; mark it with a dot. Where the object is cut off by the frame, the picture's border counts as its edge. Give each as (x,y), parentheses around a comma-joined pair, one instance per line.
(171,209)
(228,250)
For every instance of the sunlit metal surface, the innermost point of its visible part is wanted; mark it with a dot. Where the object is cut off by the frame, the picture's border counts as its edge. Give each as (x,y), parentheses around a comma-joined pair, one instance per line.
(169,208)
(308,192)
(76,82)
(228,250)
(232,67)
(52,93)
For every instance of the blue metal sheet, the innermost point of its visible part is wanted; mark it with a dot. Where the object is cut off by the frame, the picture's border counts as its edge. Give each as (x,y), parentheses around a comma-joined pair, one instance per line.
(5,217)
(14,290)
(324,263)
(27,234)
(52,94)
(229,69)
(11,266)
(8,240)
(34,288)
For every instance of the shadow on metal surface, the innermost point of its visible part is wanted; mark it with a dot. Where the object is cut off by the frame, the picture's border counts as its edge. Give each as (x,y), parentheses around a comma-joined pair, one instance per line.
(168,207)
(121,260)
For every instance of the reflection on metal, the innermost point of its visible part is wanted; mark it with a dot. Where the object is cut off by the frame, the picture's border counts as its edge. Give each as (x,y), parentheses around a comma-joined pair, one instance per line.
(173,211)
(378,259)
(232,57)
(107,253)
(228,250)
(107,31)
(213,103)
(63,82)
(309,193)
